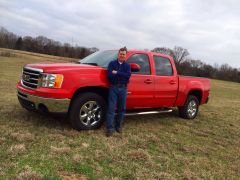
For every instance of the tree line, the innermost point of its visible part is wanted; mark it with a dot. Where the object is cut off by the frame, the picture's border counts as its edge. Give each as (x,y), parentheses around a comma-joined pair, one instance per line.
(184,63)
(41,44)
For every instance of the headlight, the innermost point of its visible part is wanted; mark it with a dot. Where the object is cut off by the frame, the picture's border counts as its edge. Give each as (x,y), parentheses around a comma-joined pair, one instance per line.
(52,80)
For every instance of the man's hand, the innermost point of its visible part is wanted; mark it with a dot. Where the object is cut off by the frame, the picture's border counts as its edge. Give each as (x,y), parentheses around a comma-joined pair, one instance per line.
(114,72)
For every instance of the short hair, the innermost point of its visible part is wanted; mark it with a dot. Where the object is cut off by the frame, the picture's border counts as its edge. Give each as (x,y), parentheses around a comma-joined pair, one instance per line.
(123,49)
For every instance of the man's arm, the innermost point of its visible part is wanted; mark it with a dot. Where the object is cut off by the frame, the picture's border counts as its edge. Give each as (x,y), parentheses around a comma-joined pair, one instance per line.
(109,71)
(126,74)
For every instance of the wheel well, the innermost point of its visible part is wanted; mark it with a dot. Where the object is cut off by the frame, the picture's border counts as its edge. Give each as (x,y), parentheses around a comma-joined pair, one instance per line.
(196,93)
(103,91)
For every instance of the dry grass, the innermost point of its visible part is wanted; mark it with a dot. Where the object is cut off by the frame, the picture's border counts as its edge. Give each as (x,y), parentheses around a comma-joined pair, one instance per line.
(8,53)
(29,175)
(72,176)
(85,145)
(60,150)
(2,140)
(58,137)
(17,149)
(77,158)
(161,146)
(22,137)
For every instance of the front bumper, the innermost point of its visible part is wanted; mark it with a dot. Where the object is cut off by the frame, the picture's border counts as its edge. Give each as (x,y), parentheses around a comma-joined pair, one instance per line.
(207,100)
(42,104)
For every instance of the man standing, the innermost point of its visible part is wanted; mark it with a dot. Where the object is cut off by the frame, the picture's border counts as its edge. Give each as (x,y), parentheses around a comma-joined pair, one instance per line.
(119,73)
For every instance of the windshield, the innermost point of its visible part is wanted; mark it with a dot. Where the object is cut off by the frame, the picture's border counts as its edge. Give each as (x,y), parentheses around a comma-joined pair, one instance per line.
(100,58)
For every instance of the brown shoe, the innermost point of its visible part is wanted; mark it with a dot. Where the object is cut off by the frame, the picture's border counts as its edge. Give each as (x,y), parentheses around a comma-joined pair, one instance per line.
(119,130)
(109,133)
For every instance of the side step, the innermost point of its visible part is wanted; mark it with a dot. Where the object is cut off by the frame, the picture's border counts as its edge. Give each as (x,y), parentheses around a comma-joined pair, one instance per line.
(148,112)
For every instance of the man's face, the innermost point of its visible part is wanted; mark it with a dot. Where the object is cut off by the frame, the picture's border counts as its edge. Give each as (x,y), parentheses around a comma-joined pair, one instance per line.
(122,56)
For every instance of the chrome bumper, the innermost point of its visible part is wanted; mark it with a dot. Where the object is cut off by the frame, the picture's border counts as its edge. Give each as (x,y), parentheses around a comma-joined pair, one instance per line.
(51,105)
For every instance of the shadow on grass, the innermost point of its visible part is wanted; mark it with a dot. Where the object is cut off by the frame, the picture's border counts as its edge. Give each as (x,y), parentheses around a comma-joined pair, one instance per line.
(52,121)
(61,121)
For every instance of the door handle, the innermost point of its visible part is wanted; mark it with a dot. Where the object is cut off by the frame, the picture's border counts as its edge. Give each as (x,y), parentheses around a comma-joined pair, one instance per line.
(172,82)
(148,81)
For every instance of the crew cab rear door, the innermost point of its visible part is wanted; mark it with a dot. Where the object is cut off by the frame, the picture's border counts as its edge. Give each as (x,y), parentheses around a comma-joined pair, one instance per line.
(166,82)
(141,85)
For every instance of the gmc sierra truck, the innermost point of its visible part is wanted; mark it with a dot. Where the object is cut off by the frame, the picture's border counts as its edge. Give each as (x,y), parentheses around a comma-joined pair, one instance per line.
(81,89)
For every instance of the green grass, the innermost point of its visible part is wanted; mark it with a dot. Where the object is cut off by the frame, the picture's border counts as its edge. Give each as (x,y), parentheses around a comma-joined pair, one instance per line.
(160,146)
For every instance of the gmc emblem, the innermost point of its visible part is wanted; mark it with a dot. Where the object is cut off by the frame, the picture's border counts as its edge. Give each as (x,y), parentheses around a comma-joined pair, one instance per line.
(25,77)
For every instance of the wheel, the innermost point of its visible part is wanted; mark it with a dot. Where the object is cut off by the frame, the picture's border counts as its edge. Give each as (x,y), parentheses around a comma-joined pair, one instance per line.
(190,108)
(87,111)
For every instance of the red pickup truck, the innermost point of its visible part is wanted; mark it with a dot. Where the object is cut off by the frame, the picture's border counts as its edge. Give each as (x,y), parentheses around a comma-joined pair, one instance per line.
(81,89)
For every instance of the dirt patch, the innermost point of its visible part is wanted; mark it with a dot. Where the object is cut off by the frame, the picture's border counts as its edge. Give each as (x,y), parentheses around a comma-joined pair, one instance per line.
(138,155)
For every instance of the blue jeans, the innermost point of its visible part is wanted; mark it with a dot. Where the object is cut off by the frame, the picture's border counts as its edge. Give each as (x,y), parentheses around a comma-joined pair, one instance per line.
(116,98)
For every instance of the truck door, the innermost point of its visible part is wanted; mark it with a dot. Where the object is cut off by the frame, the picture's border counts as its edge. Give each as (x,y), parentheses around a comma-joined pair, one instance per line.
(166,83)
(141,84)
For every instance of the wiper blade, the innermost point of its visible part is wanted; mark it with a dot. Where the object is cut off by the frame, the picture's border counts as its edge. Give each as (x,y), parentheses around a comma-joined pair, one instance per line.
(94,64)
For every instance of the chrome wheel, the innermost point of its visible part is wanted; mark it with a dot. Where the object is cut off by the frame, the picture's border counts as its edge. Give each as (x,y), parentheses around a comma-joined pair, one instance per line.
(192,108)
(90,113)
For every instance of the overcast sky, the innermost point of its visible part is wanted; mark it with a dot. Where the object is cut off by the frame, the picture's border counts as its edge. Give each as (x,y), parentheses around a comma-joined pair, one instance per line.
(209,29)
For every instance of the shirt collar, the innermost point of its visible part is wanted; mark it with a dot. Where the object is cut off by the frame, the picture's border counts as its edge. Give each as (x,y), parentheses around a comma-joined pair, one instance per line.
(120,62)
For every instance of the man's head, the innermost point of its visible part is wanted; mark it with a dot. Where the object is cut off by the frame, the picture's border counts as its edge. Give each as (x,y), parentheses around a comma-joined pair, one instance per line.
(122,54)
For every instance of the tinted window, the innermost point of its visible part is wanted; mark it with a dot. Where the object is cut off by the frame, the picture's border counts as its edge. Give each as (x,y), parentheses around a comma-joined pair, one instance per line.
(100,58)
(163,66)
(142,61)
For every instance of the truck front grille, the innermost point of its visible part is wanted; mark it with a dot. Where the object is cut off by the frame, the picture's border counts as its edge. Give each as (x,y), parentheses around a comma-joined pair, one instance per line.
(30,77)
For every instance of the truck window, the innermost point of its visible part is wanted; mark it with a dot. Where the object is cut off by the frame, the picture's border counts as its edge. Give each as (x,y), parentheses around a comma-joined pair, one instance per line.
(100,58)
(142,61)
(163,66)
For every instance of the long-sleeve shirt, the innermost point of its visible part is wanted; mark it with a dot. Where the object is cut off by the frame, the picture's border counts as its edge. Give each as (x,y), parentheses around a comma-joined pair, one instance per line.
(123,73)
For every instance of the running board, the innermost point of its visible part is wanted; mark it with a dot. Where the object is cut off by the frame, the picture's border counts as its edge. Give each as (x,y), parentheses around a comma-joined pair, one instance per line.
(148,112)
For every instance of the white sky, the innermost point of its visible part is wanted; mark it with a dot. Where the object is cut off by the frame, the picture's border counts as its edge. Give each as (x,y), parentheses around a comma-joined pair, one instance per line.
(209,29)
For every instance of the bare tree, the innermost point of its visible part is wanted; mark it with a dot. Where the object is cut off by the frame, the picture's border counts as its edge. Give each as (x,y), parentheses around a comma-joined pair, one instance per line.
(19,44)
(164,50)
(180,54)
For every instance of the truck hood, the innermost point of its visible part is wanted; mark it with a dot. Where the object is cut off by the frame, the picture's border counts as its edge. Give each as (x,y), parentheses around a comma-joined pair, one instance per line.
(63,67)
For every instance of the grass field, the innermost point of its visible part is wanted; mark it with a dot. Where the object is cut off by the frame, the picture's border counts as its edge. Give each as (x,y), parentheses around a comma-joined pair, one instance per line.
(151,147)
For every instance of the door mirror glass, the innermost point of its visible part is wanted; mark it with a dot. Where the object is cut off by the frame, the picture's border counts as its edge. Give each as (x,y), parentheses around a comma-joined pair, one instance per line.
(134,67)
(142,61)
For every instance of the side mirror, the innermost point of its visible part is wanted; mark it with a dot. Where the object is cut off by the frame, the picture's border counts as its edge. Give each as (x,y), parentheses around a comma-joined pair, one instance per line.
(134,67)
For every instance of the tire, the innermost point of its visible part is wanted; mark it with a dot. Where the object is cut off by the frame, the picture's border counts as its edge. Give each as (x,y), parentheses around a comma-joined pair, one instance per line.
(190,108)
(87,111)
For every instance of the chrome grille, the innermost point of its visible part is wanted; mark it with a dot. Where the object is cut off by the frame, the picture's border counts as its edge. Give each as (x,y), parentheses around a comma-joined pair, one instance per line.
(30,77)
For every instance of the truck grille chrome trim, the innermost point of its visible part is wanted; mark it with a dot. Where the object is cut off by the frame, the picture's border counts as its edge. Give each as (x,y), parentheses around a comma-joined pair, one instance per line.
(28,73)
(30,77)
(29,83)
